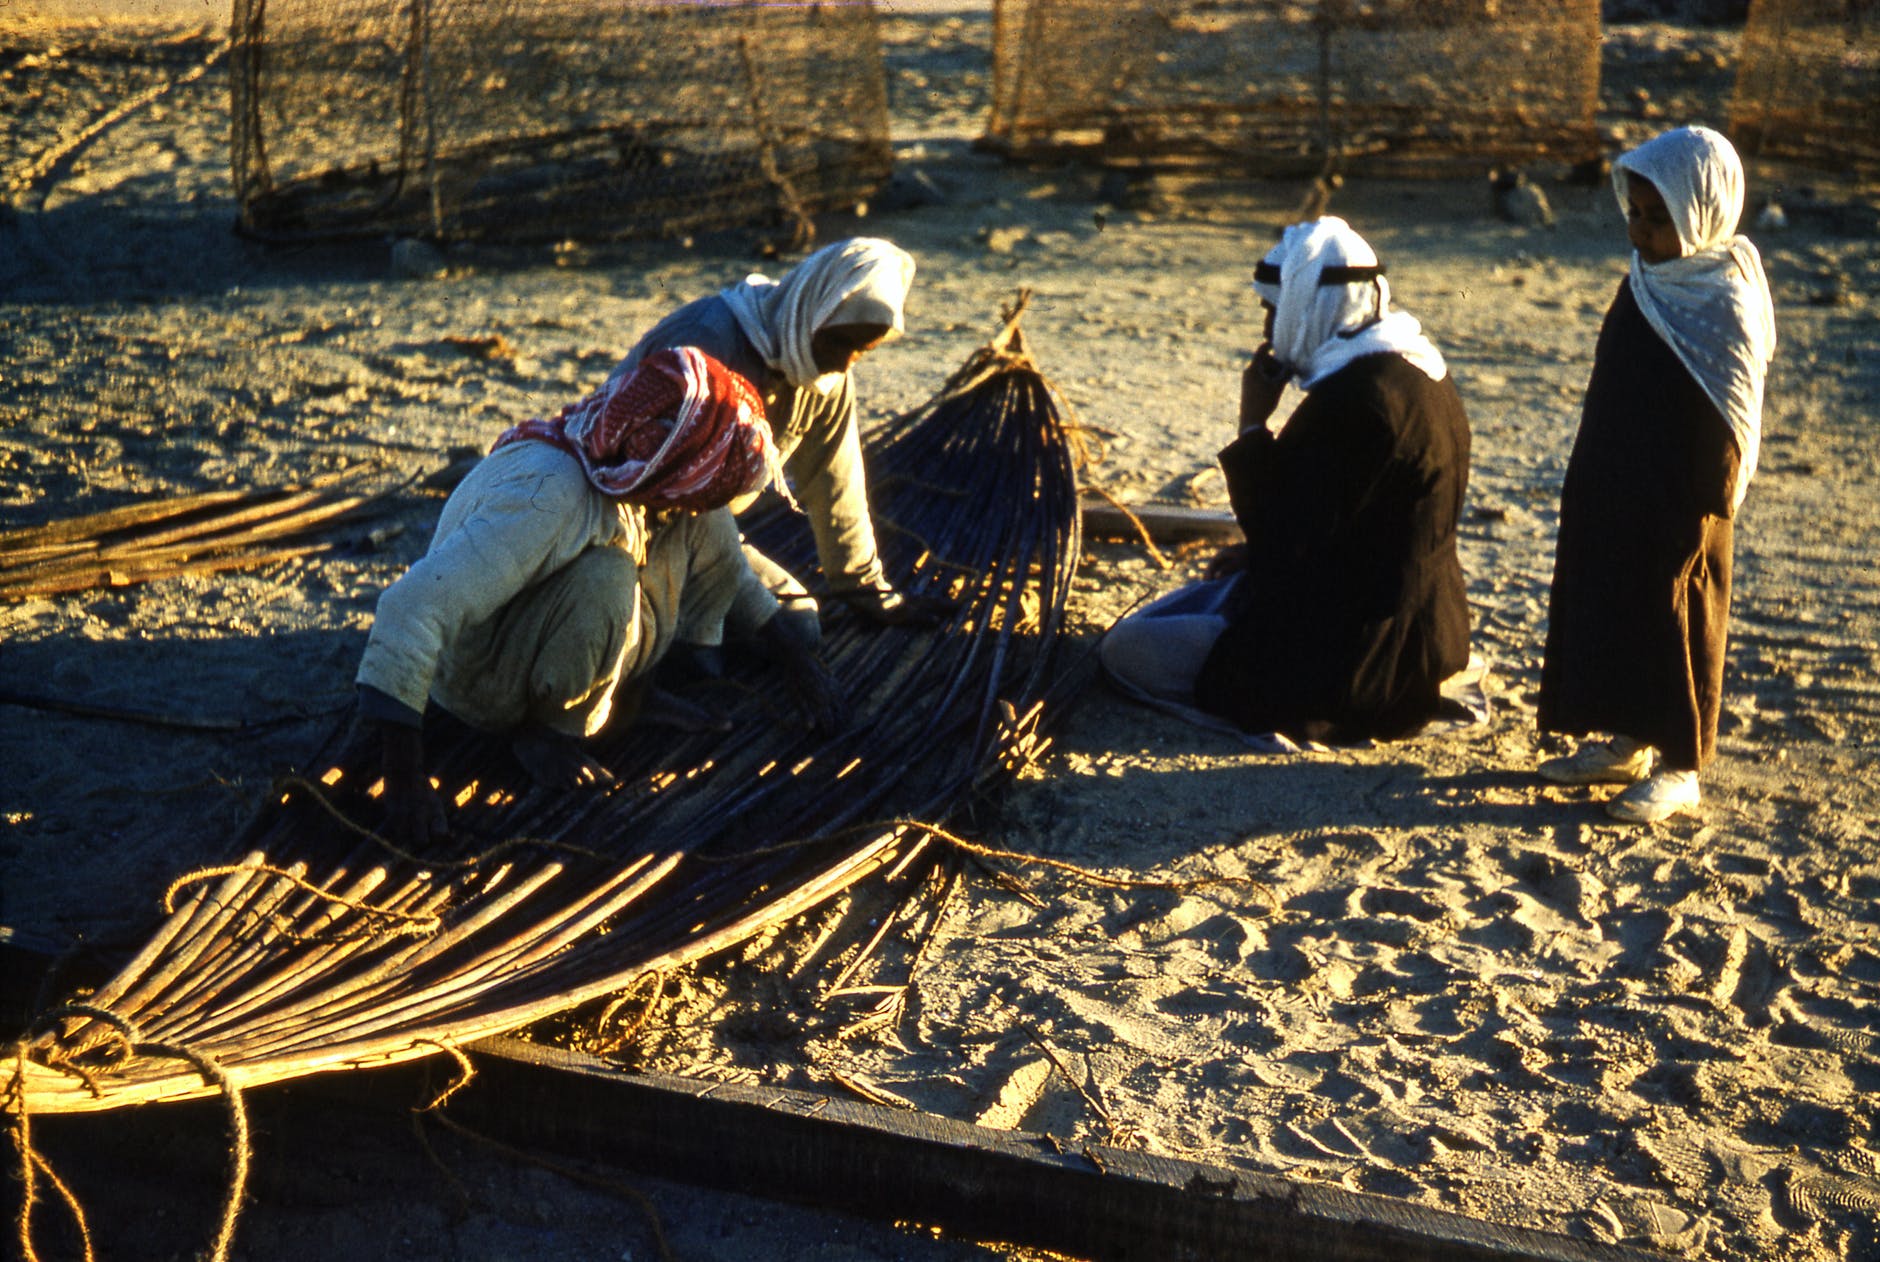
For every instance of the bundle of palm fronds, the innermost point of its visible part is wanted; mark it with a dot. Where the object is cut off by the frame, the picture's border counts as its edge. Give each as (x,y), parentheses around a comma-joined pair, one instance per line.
(319,946)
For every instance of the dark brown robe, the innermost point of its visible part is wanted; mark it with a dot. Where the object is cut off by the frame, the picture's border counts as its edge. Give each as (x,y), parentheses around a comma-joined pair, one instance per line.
(1353,610)
(1641,599)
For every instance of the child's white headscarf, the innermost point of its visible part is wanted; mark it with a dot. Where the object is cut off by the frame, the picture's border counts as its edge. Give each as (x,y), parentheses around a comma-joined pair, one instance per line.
(863,280)
(1711,306)
(1320,328)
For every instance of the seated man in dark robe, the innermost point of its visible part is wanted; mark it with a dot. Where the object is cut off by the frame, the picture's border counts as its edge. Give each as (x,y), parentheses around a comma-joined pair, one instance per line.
(1345,610)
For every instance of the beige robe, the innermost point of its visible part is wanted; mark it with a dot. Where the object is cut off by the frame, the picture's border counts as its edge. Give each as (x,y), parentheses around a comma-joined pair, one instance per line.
(539,598)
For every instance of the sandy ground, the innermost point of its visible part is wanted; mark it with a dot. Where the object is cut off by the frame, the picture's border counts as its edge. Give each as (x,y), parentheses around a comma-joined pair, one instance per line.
(1451,984)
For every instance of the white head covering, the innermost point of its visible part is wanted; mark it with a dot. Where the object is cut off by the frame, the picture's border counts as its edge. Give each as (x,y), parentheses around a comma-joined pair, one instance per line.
(1712,305)
(1266,277)
(1321,327)
(863,280)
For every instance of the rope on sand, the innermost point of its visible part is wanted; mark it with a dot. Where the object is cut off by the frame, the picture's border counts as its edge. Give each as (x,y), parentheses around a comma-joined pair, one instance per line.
(632,1030)
(1155,554)
(465,1072)
(129,1046)
(32,1165)
(1019,857)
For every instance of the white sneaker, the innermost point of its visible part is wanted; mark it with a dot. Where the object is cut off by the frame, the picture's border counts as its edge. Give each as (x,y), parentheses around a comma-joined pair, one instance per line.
(1658,798)
(1600,762)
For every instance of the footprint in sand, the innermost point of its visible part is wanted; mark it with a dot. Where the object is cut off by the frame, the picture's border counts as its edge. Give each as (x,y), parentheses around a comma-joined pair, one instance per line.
(1803,1196)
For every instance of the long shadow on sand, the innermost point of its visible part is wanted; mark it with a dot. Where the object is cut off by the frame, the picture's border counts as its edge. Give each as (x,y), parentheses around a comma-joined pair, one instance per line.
(149,241)
(1262,794)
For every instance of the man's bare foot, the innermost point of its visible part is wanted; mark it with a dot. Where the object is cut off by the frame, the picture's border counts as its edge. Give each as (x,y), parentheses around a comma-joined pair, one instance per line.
(557,761)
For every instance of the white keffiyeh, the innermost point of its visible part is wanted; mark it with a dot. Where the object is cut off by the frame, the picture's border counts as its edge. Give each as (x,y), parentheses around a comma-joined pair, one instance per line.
(1320,328)
(863,280)
(1711,306)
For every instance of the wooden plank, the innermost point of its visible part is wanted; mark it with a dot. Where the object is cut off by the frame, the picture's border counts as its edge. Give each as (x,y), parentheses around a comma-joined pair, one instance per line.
(1166,523)
(1095,1202)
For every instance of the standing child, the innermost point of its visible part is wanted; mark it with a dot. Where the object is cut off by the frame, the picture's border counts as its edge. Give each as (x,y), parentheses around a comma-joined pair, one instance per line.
(1666,449)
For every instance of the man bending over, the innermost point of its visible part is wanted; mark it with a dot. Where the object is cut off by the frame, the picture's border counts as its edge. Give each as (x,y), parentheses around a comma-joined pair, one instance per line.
(569,562)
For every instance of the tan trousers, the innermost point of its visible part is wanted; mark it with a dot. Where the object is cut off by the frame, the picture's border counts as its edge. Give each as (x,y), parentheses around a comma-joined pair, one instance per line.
(822,453)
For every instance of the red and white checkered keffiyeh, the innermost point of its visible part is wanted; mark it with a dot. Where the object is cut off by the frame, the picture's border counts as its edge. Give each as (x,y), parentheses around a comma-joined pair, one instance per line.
(683,431)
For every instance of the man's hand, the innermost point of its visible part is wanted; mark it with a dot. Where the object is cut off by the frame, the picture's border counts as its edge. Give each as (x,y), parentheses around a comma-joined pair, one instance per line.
(1261,386)
(668,709)
(817,696)
(414,813)
(555,760)
(814,691)
(1228,562)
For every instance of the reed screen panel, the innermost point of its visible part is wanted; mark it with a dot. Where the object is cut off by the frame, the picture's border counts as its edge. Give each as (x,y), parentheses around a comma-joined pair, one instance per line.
(546,118)
(1272,87)
(1808,83)
(319,946)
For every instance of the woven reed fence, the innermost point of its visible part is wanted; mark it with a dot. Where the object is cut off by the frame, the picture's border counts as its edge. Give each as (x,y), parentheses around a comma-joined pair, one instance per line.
(550,118)
(1808,83)
(1272,87)
(317,948)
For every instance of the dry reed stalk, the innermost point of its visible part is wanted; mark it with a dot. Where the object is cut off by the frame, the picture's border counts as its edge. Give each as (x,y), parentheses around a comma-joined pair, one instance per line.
(212,907)
(263,521)
(77,555)
(419,895)
(383,974)
(21,558)
(91,577)
(554,998)
(173,926)
(518,957)
(506,959)
(212,962)
(261,524)
(92,525)
(867,950)
(248,951)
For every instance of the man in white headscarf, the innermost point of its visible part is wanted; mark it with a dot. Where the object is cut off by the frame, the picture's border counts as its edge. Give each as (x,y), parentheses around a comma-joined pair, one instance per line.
(1344,610)
(797,339)
(1668,437)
